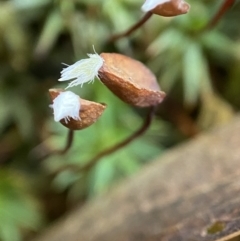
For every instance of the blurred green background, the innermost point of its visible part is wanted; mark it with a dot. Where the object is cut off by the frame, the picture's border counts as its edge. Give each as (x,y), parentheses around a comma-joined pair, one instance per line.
(198,70)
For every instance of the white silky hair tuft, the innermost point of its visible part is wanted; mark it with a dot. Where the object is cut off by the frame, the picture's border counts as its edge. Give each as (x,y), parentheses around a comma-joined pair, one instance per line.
(84,70)
(65,106)
(151,4)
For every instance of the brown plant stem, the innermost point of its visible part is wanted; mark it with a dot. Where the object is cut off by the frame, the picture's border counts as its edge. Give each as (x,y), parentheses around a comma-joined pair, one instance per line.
(93,161)
(42,152)
(131,29)
(68,145)
(224,7)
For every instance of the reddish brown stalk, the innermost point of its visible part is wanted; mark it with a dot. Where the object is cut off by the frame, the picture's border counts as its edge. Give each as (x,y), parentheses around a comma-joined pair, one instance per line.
(68,143)
(42,151)
(131,29)
(93,161)
(224,7)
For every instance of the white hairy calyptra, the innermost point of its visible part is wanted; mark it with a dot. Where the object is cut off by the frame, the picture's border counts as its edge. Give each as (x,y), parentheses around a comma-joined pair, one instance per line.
(82,71)
(151,4)
(65,106)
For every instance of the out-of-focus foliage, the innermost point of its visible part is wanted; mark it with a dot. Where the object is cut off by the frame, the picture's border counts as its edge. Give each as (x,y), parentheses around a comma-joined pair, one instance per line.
(185,49)
(18,211)
(198,69)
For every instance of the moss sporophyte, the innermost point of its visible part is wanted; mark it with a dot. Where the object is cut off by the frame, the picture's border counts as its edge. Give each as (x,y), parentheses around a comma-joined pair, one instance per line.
(129,79)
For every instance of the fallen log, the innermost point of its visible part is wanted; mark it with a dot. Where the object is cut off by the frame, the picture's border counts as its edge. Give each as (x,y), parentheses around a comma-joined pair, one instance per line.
(190,193)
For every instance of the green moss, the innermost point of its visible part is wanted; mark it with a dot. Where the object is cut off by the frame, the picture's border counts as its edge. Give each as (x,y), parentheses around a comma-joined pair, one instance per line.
(216,227)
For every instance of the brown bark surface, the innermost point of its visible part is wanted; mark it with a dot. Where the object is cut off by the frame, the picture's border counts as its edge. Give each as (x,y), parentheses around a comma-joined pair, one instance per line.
(191,193)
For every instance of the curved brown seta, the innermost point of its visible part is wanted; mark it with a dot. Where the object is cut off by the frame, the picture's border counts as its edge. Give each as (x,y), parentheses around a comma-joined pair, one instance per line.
(224,7)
